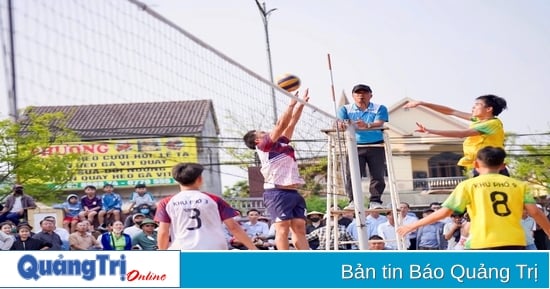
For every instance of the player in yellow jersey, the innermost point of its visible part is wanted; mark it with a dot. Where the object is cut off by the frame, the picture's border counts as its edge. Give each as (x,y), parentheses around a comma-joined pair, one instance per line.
(494,203)
(485,128)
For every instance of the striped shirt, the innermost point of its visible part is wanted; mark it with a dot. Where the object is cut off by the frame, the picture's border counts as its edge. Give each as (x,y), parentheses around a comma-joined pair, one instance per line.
(279,166)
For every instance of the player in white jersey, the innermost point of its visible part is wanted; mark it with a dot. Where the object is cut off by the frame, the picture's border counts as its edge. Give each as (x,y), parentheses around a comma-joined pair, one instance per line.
(191,219)
(284,203)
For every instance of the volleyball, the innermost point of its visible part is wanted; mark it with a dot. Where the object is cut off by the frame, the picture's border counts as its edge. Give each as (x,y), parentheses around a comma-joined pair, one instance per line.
(288,82)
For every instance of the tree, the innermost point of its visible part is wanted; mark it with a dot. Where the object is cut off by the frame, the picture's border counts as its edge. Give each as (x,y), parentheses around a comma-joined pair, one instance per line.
(531,162)
(22,157)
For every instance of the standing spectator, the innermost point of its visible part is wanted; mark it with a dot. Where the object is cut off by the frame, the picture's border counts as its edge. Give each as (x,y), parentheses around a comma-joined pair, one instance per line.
(72,208)
(191,219)
(430,237)
(91,205)
(254,228)
(376,243)
(48,236)
(495,205)
(407,217)
(16,205)
(364,114)
(452,231)
(529,226)
(387,232)
(485,128)
(315,221)
(281,176)
(116,240)
(111,203)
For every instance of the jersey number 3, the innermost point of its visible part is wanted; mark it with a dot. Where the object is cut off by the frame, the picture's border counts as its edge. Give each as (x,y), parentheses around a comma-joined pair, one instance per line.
(195,215)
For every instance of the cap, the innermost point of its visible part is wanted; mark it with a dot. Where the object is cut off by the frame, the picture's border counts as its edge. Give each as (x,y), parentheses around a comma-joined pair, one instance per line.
(361,87)
(315,213)
(24,225)
(148,221)
(137,215)
(17,186)
(72,195)
(140,185)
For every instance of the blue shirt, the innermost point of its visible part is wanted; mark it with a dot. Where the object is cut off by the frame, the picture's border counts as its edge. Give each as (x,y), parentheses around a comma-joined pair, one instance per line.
(111,201)
(374,112)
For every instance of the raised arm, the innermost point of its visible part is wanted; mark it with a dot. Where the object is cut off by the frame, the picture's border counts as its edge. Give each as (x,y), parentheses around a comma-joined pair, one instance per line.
(283,121)
(448,133)
(297,113)
(439,108)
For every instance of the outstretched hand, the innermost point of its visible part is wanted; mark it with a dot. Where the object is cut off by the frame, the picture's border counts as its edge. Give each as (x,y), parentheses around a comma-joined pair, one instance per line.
(404,230)
(305,96)
(421,128)
(411,104)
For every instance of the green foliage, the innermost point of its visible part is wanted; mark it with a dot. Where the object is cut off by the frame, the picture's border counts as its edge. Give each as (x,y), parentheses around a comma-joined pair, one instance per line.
(318,203)
(239,190)
(314,173)
(24,155)
(531,162)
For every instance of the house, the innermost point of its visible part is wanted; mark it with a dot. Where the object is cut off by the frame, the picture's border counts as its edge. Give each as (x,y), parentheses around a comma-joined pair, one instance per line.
(130,143)
(424,166)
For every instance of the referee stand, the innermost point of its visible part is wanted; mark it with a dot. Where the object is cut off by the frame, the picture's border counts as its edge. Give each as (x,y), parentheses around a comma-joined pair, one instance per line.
(342,155)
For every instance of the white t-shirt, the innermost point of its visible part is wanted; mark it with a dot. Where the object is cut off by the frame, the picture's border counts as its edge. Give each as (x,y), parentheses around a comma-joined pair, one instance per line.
(196,220)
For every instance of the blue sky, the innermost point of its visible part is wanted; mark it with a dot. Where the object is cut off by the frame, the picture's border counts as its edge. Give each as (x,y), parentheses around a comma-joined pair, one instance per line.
(442,51)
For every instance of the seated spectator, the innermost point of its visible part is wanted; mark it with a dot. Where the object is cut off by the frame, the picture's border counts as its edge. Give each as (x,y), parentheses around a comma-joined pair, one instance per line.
(6,241)
(147,238)
(8,228)
(16,205)
(91,204)
(82,239)
(111,204)
(24,242)
(47,235)
(142,209)
(141,196)
(116,239)
(376,243)
(63,234)
(137,219)
(72,208)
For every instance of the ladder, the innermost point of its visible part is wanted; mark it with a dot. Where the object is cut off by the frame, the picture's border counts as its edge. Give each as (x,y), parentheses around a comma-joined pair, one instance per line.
(339,144)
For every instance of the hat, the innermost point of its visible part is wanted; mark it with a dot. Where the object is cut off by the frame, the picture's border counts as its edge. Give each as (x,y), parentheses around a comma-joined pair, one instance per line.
(148,221)
(72,195)
(16,186)
(137,215)
(315,213)
(361,87)
(24,225)
(140,185)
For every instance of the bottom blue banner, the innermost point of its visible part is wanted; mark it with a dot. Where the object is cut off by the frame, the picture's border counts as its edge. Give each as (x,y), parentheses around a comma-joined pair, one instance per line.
(353,269)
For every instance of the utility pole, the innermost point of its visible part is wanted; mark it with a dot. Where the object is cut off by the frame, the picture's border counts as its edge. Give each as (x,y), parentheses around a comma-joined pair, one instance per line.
(12,85)
(265,14)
